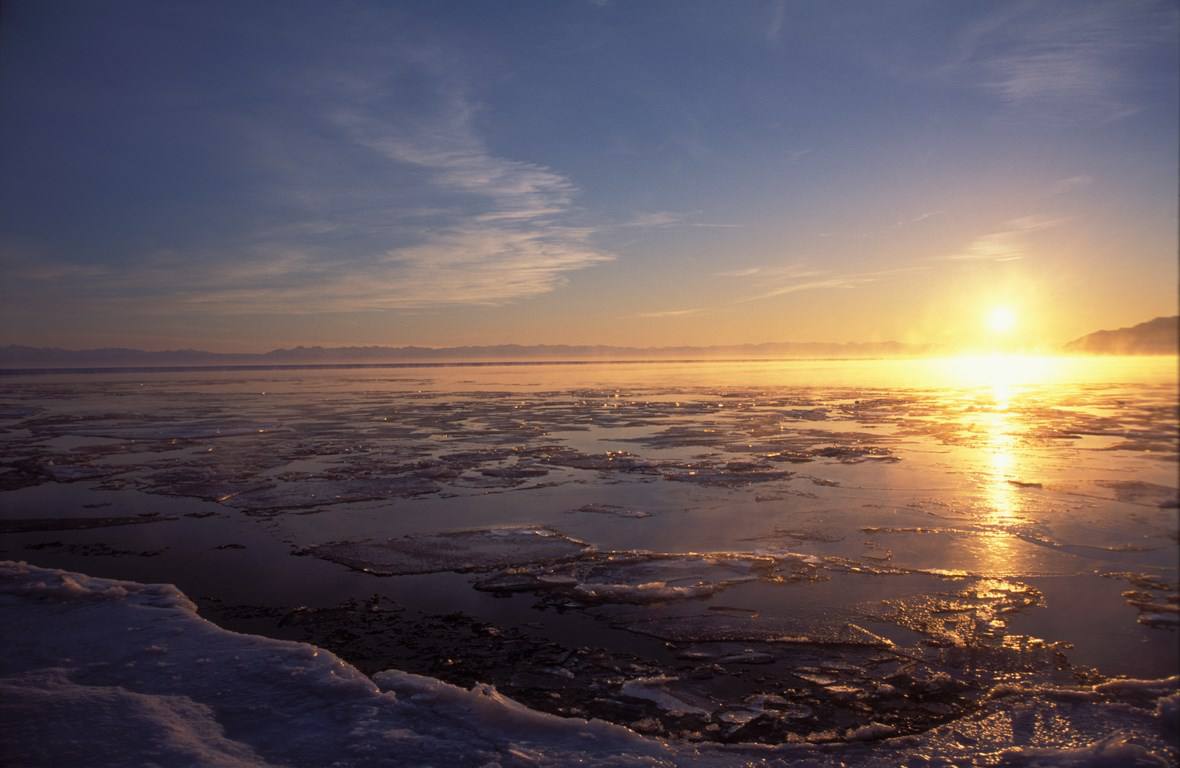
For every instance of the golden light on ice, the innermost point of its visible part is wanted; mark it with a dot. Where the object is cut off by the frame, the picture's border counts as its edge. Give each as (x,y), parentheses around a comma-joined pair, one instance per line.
(1001,319)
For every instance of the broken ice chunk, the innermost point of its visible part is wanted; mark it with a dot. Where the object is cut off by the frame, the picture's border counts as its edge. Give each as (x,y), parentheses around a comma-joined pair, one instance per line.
(634,577)
(474,550)
(656,690)
(612,509)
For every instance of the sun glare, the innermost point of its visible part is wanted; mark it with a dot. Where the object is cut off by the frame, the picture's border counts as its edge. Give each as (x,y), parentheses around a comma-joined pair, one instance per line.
(1001,320)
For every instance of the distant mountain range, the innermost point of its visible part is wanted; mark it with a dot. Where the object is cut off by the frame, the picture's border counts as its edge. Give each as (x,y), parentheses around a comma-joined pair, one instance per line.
(1155,337)
(41,357)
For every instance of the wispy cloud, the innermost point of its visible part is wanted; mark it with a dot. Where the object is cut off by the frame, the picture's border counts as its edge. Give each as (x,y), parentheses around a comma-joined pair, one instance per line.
(672,312)
(1068,60)
(773,273)
(778,14)
(458,161)
(465,266)
(656,219)
(800,279)
(1065,186)
(483,229)
(771,282)
(1008,243)
(890,229)
(667,219)
(842,281)
(747,272)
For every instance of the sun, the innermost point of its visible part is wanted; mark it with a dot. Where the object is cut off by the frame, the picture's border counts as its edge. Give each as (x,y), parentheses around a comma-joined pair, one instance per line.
(1001,319)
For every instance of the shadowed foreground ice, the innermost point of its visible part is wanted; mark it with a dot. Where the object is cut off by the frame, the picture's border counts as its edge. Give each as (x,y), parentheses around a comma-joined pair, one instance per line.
(105,672)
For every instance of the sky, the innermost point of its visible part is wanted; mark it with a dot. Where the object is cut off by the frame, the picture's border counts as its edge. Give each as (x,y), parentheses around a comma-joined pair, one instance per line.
(244,176)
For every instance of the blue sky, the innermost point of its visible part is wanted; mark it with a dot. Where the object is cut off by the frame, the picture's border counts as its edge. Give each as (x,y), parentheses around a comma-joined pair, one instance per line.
(241,176)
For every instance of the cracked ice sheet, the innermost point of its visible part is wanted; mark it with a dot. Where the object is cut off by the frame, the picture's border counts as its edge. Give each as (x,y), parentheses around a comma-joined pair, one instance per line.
(107,672)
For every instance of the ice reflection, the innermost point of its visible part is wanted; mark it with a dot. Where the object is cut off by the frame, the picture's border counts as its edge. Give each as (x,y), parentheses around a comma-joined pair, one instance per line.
(1001,424)
(1002,462)
(998,418)
(1002,499)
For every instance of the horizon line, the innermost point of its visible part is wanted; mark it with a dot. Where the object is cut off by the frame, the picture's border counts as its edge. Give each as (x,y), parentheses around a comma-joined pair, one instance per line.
(557,362)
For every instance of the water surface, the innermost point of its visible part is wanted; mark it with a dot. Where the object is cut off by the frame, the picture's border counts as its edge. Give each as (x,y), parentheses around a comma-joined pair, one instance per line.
(742,551)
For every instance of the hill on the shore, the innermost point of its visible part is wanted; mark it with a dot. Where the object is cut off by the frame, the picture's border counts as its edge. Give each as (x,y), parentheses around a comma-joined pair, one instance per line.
(1155,337)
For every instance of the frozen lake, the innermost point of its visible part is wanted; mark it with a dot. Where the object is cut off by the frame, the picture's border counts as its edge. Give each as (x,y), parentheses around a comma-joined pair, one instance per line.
(794,552)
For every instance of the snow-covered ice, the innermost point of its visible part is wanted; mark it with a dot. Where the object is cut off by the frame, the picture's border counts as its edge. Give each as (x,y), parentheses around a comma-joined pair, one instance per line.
(103,672)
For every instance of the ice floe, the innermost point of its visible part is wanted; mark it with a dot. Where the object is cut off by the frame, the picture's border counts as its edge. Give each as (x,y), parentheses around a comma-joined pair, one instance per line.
(472,550)
(614,510)
(30,525)
(633,577)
